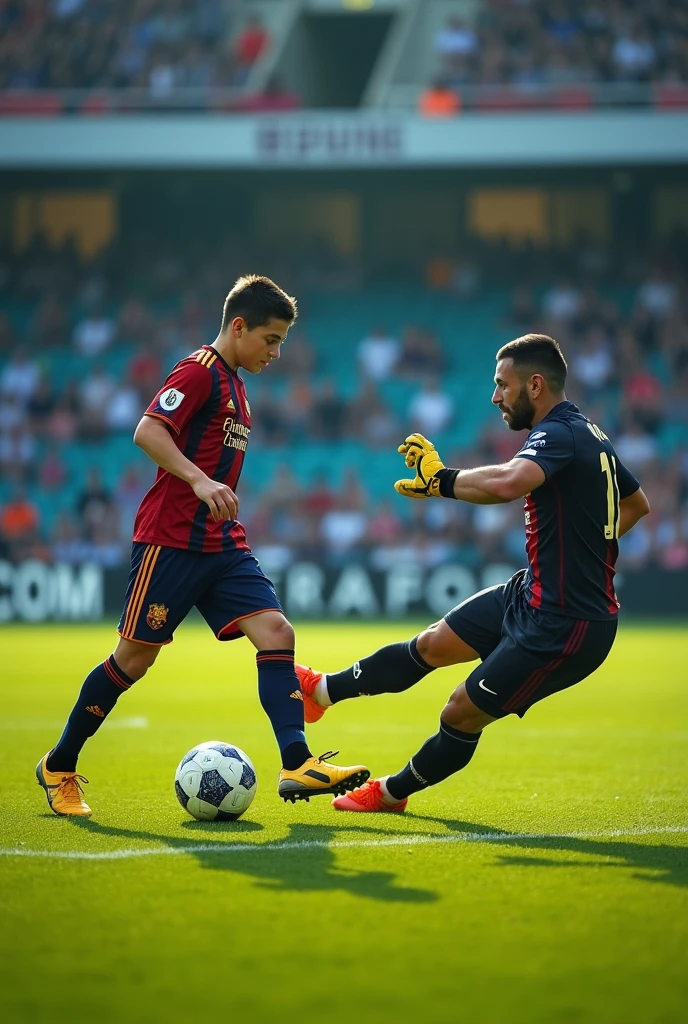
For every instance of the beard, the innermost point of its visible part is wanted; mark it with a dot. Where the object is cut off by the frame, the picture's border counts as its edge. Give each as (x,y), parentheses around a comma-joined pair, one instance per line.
(520,415)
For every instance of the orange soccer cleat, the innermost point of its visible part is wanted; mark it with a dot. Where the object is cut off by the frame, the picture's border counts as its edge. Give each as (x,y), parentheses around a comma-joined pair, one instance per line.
(63,790)
(308,680)
(368,797)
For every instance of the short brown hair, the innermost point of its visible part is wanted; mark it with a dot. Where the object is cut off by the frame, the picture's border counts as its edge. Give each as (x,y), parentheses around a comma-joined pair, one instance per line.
(257,300)
(537,353)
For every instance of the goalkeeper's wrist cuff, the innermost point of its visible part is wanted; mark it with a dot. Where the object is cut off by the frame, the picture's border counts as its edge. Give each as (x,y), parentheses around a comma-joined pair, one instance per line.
(447,478)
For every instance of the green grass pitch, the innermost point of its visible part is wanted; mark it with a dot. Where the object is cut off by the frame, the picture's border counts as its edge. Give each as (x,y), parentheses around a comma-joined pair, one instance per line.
(545,883)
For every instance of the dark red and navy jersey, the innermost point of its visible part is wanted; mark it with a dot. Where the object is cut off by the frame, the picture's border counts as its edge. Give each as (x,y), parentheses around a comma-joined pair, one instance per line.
(572,519)
(203,402)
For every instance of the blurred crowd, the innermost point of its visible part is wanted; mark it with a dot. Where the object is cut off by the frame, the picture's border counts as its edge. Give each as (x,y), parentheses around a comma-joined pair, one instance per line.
(162,46)
(156,45)
(78,370)
(628,373)
(562,43)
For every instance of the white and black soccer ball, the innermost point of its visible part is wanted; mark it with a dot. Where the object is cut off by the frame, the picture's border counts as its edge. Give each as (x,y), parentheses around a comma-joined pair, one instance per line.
(215,782)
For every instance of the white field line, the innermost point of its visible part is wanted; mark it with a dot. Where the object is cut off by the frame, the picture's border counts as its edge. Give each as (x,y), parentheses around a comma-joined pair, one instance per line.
(229,848)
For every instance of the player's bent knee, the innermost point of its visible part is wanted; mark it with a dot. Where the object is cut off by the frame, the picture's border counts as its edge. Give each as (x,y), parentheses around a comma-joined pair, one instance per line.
(283,635)
(135,659)
(461,713)
(439,646)
(274,632)
(429,645)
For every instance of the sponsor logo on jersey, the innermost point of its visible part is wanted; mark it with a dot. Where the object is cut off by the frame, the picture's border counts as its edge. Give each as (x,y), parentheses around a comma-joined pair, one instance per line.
(231,406)
(297,695)
(171,399)
(537,444)
(357,670)
(540,433)
(157,615)
(236,434)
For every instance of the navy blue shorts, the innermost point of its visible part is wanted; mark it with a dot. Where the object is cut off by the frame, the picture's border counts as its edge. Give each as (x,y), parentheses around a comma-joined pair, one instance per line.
(166,583)
(527,654)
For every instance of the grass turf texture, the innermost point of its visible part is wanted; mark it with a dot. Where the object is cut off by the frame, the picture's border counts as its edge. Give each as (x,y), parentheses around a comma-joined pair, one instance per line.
(572,908)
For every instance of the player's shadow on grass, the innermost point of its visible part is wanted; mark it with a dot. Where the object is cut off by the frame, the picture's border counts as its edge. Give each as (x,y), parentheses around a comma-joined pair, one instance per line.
(653,862)
(302,862)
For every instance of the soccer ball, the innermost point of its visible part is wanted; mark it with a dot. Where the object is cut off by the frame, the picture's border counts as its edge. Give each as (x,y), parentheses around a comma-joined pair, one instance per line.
(215,782)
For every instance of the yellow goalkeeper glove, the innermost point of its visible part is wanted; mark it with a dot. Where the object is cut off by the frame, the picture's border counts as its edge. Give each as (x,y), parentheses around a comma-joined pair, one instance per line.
(422,456)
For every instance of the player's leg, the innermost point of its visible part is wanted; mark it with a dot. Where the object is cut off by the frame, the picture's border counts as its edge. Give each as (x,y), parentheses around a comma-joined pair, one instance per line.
(278,688)
(447,752)
(302,775)
(99,693)
(147,624)
(242,601)
(468,632)
(396,667)
(535,659)
(484,698)
(442,755)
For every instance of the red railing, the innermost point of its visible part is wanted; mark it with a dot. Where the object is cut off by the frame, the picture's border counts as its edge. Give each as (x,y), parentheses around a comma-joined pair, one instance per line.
(583,97)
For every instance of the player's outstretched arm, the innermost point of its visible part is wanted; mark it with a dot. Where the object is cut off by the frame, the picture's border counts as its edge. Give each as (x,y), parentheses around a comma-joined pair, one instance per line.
(488,485)
(631,510)
(155,439)
(493,485)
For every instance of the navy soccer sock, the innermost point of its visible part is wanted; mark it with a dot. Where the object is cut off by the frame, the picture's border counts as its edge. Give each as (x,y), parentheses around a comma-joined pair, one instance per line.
(445,753)
(392,669)
(280,695)
(96,700)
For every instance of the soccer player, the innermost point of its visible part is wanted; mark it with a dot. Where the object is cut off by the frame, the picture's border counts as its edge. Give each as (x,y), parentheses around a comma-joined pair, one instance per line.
(190,550)
(551,624)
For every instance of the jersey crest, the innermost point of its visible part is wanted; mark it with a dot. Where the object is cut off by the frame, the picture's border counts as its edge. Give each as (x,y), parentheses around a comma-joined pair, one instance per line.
(157,615)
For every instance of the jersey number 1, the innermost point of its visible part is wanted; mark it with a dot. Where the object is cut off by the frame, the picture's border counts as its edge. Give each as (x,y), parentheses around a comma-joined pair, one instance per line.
(611,529)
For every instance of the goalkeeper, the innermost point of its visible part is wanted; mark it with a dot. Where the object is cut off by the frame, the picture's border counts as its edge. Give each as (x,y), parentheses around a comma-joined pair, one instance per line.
(546,628)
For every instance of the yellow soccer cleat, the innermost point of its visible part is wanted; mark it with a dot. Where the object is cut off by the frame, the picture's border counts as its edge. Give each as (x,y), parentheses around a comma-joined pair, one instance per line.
(63,790)
(317,776)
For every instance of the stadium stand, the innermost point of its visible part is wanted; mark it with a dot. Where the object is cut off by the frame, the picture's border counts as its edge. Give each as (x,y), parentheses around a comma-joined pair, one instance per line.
(512,55)
(98,56)
(85,344)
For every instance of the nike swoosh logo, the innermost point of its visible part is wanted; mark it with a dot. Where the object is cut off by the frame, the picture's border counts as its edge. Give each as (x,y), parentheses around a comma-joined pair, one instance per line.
(486,688)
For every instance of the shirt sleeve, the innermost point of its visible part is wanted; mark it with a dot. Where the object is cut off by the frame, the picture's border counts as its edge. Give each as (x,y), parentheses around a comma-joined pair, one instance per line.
(626,482)
(552,448)
(184,392)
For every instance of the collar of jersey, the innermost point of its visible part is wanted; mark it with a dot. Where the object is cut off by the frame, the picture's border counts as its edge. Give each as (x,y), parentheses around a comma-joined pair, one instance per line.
(559,407)
(222,359)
